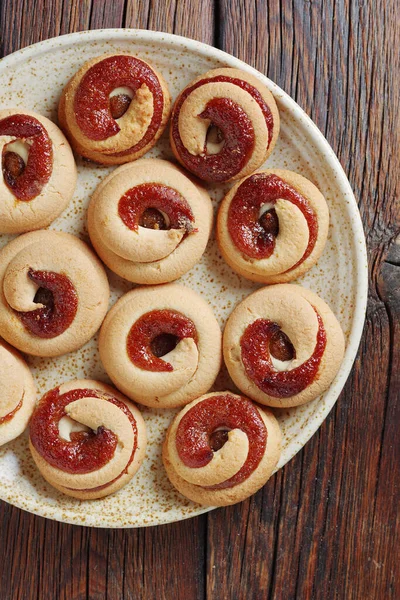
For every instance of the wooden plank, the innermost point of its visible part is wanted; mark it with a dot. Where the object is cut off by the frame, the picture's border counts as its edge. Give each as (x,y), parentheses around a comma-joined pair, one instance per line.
(321,528)
(52,560)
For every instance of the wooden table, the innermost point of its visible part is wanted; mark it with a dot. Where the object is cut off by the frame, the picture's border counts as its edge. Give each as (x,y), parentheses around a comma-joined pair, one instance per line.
(324,527)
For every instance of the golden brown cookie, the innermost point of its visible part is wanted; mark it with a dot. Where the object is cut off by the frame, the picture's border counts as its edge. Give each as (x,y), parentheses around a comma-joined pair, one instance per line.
(114,108)
(224,125)
(272,226)
(87,439)
(17,393)
(161,345)
(53,293)
(221,449)
(148,222)
(38,175)
(283,346)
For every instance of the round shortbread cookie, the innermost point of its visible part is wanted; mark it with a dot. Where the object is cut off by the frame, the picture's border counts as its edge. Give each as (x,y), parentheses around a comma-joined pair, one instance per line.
(17,393)
(224,125)
(148,222)
(221,449)
(114,108)
(53,293)
(161,345)
(38,174)
(283,345)
(87,439)
(272,226)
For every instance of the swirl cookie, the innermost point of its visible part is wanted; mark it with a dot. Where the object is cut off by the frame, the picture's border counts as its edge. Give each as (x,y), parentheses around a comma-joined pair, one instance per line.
(17,394)
(221,449)
(224,125)
(114,108)
(272,226)
(161,346)
(148,222)
(38,171)
(86,439)
(283,346)
(53,293)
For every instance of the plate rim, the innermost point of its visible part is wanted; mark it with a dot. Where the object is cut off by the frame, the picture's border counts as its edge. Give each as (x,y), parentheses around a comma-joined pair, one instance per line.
(359,249)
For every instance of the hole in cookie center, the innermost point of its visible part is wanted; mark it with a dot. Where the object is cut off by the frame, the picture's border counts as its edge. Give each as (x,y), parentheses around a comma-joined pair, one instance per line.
(218,439)
(14,159)
(45,297)
(163,343)
(269,222)
(120,99)
(214,139)
(280,347)
(152,218)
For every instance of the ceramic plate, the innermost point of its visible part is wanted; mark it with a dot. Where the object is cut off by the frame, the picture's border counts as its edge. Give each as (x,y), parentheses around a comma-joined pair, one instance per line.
(34,78)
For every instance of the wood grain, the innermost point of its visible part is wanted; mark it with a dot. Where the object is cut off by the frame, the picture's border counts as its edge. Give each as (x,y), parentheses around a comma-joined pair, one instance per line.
(326,526)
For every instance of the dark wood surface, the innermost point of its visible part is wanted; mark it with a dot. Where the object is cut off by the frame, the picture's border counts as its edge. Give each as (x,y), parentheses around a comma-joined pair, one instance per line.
(326,526)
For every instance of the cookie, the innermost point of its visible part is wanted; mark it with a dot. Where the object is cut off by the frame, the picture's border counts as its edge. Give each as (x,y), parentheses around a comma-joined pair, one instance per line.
(161,345)
(53,293)
(148,222)
(38,171)
(86,439)
(114,108)
(221,449)
(272,226)
(17,393)
(224,125)
(283,346)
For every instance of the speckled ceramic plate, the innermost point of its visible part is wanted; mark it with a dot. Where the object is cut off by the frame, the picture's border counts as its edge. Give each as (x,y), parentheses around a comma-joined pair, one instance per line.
(34,78)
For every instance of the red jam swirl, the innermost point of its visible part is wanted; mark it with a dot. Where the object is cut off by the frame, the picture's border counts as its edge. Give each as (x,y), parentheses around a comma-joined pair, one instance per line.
(10,415)
(39,166)
(87,451)
(199,423)
(256,359)
(140,198)
(236,128)
(60,301)
(245,229)
(145,331)
(92,103)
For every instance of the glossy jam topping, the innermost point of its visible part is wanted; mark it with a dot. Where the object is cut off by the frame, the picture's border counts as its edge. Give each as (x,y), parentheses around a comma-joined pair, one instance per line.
(145,205)
(92,105)
(87,451)
(196,433)
(10,415)
(235,127)
(147,329)
(255,236)
(256,357)
(26,181)
(60,303)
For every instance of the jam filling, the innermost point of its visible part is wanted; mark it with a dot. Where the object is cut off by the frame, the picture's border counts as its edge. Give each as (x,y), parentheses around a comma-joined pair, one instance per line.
(147,203)
(10,415)
(235,128)
(199,434)
(60,301)
(255,236)
(143,342)
(26,181)
(87,451)
(256,357)
(94,109)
